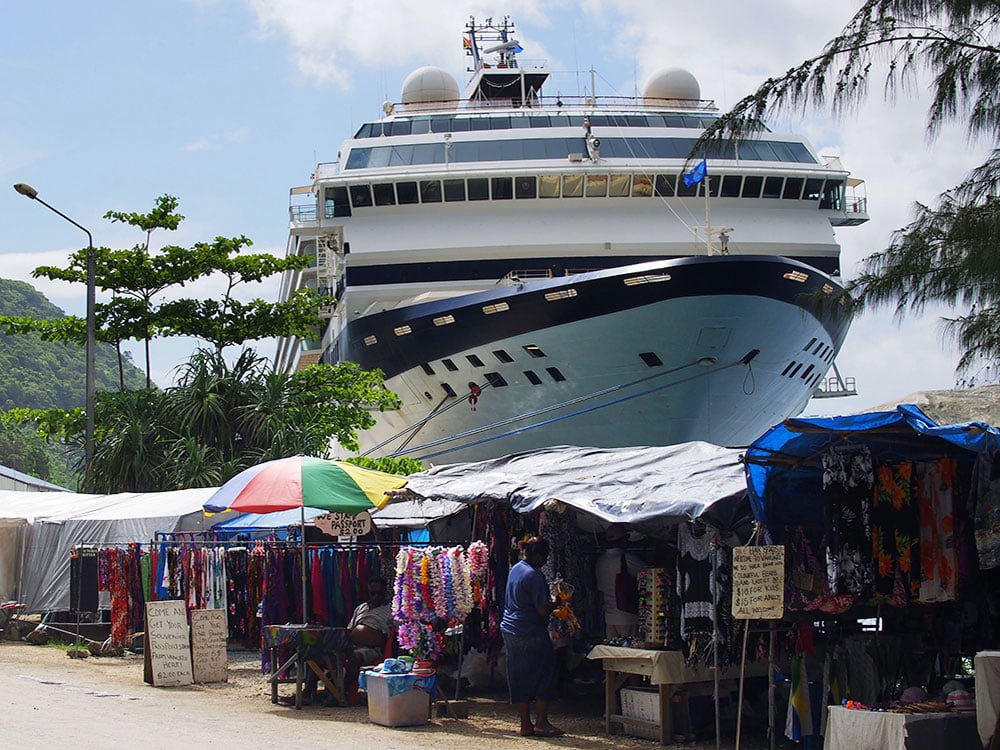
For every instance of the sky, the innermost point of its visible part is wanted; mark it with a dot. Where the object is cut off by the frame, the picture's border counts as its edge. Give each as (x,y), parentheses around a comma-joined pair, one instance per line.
(227,104)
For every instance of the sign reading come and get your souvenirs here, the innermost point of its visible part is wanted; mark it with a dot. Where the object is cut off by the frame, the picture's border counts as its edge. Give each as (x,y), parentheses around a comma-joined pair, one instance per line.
(179,655)
(758,582)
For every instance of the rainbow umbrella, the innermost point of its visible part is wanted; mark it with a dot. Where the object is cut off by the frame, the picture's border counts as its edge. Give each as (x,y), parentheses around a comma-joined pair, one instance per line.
(301,482)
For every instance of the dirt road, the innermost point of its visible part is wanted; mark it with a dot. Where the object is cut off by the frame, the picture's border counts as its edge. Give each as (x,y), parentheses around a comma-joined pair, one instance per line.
(49,700)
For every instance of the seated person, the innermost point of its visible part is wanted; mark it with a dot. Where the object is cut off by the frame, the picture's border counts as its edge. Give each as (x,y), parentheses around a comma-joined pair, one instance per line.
(367,631)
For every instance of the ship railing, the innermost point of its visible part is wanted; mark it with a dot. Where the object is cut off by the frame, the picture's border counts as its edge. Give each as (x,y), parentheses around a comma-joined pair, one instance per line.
(304,212)
(527,274)
(836,386)
(548,103)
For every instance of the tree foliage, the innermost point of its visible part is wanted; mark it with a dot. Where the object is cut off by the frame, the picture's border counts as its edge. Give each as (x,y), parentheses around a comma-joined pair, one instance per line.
(143,287)
(218,419)
(947,254)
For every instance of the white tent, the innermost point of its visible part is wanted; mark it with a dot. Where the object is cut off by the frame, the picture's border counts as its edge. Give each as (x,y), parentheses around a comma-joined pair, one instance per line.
(38,529)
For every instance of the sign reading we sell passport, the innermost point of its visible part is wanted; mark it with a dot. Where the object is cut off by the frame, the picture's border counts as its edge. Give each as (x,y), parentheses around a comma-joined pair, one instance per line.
(759,582)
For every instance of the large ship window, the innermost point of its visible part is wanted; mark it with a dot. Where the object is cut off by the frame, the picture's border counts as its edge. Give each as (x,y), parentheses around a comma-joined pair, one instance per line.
(731,186)
(618,185)
(479,123)
(384,194)
(441,124)
(684,190)
(397,127)
(475,361)
(489,151)
(534,149)
(399,156)
(534,350)
(336,203)
(419,127)
(665,185)
(524,187)
(597,186)
(495,379)
(572,186)
(428,153)
(548,186)
(499,122)
(813,190)
(454,190)
(532,377)
(361,196)
(430,191)
(406,193)
(511,150)
(793,188)
(358,158)
(642,186)
(538,121)
(458,125)
(772,187)
(502,188)
(752,185)
(479,189)
(449,365)
(502,355)
(832,195)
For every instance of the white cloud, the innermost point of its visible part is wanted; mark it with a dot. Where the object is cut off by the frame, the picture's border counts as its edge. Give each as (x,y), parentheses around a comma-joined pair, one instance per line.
(213,142)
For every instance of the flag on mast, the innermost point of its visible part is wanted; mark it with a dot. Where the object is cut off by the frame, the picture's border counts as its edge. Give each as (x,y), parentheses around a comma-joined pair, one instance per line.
(696,174)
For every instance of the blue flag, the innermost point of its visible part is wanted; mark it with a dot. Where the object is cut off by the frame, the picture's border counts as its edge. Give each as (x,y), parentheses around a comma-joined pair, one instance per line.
(698,173)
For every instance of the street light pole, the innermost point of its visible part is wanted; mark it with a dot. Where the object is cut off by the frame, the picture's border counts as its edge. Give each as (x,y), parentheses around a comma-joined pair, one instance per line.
(88,448)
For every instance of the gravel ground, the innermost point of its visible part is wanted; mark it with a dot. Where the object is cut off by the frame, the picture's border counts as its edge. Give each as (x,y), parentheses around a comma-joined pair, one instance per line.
(46,697)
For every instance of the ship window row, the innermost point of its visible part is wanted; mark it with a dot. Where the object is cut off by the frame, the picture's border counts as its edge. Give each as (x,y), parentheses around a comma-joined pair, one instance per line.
(341,200)
(531,149)
(421,125)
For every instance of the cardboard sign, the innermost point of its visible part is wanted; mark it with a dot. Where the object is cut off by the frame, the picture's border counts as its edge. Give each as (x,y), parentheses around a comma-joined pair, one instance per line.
(759,582)
(209,631)
(342,524)
(169,644)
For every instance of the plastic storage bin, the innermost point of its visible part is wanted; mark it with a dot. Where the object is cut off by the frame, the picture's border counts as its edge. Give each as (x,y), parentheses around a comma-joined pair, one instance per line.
(407,709)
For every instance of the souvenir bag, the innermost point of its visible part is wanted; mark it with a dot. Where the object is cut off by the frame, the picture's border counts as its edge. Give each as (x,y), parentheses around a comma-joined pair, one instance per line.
(626,590)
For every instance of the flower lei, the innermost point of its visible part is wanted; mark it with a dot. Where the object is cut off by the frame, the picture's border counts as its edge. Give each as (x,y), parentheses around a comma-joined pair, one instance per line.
(435,584)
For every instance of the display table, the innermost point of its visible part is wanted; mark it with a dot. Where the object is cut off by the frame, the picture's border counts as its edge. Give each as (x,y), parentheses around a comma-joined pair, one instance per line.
(876,730)
(308,647)
(665,669)
(987,692)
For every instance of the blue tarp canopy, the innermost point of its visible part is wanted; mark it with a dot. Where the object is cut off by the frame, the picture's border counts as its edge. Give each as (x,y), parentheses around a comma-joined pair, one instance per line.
(277,522)
(784,466)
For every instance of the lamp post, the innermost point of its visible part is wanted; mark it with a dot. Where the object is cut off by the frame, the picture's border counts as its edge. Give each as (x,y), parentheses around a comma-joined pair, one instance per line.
(88,449)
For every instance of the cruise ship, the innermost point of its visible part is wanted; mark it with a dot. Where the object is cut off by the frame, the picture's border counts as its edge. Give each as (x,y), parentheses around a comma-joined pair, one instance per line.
(530,269)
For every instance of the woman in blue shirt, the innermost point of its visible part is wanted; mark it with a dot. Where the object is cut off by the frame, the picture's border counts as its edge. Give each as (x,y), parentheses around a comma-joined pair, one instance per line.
(528,648)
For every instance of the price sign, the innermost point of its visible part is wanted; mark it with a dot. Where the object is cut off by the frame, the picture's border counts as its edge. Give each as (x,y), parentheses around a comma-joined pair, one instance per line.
(342,524)
(758,582)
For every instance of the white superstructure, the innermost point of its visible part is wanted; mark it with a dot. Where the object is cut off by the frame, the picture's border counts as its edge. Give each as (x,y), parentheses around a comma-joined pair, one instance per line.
(547,253)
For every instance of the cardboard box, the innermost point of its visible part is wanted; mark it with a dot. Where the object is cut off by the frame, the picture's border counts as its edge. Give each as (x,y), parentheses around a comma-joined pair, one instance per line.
(407,709)
(644,705)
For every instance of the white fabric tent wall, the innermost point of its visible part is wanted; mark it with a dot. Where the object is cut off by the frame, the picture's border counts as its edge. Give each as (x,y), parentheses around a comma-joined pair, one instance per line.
(59,521)
(11,530)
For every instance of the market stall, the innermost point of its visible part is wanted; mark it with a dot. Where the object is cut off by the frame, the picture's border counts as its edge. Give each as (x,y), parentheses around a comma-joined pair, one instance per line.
(891,529)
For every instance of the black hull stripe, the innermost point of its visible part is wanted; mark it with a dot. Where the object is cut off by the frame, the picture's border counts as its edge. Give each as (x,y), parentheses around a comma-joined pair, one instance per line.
(599,293)
(496,268)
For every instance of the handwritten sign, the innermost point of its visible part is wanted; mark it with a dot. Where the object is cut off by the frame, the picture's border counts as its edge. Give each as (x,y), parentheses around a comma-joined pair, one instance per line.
(209,631)
(758,582)
(342,524)
(169,644)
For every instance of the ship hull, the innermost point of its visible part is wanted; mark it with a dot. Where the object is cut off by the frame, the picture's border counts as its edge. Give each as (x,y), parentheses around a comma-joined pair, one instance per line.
(708,348)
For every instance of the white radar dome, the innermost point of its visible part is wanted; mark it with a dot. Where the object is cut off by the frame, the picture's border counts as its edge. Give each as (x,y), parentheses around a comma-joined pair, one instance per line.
(673,83)
(429,84)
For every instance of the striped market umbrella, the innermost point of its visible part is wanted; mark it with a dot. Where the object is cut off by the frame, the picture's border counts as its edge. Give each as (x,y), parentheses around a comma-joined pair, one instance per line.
(301,482)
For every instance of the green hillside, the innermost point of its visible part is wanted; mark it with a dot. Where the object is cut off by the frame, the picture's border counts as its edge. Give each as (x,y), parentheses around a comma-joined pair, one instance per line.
(41,375)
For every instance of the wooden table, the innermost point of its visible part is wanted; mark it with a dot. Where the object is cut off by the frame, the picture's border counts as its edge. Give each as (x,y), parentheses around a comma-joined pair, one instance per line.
(312,647)
(665,669)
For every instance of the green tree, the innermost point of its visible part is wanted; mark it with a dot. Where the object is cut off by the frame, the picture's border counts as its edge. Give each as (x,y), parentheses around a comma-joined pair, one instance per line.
(218,419)
(947,254)
(140,282)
